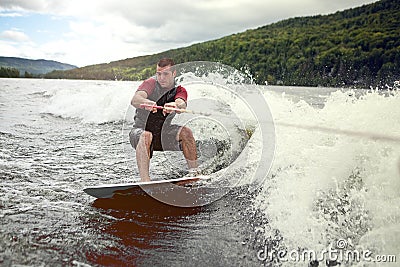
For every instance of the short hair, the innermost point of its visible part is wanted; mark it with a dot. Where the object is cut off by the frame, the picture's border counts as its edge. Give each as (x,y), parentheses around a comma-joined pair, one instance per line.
(165,62)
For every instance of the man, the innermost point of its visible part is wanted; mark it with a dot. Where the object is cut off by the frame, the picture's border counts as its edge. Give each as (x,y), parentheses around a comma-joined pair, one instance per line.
(152,130)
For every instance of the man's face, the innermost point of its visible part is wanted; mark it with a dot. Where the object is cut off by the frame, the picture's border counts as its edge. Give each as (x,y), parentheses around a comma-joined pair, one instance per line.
(166,77)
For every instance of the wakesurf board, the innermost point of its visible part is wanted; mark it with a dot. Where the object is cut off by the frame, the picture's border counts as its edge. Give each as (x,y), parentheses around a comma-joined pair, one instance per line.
(140,188)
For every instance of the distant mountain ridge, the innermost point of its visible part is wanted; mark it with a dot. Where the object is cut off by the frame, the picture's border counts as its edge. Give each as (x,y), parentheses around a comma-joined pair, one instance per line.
(35,67)
(358,47)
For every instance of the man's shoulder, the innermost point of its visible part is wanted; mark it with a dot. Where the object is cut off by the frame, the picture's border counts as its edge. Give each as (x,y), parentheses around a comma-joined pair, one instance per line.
(148,85)
(150,81)
(180,88)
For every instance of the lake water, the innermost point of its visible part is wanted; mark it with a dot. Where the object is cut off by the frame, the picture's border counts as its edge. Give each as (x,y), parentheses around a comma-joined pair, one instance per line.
(334,182)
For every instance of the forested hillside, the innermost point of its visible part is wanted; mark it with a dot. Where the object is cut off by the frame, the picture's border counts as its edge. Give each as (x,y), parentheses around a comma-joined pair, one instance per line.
(359,47)
(29,67)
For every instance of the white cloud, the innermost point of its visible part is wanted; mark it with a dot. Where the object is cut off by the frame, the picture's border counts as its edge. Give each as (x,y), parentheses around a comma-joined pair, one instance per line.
(24,50)
(8,49)
(10,14)
(14,36)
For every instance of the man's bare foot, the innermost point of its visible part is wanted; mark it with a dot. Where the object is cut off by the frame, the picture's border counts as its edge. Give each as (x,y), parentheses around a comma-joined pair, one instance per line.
(145,179)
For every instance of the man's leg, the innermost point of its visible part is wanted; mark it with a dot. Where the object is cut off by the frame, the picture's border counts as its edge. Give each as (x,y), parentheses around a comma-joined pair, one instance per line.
(188,143)
(143,155)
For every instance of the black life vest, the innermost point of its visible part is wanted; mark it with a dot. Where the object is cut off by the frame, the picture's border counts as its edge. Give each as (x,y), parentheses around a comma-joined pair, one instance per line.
(154,122)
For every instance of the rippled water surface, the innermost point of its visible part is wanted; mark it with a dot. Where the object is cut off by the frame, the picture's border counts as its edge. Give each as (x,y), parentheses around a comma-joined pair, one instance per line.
(58,137)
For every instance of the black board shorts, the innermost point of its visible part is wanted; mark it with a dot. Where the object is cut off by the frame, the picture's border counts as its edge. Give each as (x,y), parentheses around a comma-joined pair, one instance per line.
(162,141)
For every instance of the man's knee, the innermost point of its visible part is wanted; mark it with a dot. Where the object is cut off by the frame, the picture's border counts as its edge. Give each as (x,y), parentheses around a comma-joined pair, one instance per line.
(185,133)
(146,138)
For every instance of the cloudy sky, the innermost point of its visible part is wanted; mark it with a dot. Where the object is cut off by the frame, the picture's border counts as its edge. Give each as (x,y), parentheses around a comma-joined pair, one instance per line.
(84,32)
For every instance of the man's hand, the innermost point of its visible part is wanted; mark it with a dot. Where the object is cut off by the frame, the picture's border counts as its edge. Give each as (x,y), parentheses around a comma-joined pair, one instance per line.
(169,105)
(149,105)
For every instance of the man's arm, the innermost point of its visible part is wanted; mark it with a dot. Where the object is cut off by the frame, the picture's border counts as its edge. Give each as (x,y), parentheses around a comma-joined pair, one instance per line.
(178,103)
(140,98)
